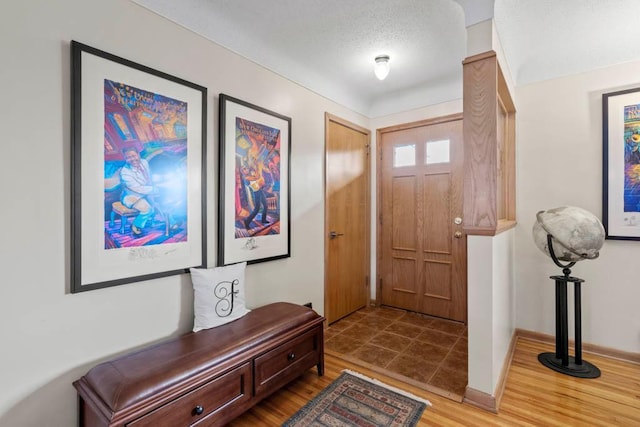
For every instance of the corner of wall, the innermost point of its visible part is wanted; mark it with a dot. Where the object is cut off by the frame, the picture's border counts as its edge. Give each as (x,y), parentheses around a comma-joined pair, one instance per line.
(503,298)
(502,60)
(479,37)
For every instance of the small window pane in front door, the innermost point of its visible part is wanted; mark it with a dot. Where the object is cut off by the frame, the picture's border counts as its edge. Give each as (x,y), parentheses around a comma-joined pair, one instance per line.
(437,152)
(404,155)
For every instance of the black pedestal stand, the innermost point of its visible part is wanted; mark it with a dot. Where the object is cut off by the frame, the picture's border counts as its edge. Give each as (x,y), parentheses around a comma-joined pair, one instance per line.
(560,361)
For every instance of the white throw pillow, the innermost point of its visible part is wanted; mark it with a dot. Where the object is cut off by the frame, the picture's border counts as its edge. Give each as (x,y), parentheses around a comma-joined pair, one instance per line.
(218,295)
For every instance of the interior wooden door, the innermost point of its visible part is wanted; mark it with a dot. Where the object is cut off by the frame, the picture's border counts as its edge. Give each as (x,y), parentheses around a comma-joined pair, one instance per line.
(422,261)
(346,218)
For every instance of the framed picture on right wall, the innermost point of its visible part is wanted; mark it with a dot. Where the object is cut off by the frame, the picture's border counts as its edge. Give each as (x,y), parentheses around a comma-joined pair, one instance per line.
(621,164)
(254,222)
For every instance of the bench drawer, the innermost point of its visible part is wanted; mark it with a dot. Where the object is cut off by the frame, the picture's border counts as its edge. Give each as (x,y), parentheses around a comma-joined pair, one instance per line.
(221,399)
(286,362)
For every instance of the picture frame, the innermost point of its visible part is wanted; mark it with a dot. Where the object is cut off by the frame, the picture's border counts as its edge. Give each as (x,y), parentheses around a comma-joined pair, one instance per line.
(254,222)
(138,163)
(621,164)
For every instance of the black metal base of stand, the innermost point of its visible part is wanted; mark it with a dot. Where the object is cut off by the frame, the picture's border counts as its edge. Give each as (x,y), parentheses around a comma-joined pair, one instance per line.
(560,361)
(584,370)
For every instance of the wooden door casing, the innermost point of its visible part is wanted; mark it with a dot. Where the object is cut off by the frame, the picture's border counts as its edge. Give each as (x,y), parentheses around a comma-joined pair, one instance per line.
(422,251)
(347,213)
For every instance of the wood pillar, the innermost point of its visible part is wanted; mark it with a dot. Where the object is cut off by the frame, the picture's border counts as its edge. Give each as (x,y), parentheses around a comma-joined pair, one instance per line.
(489,147)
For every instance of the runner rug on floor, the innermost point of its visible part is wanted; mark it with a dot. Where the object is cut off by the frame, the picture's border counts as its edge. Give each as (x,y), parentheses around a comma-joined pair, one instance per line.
(356,400)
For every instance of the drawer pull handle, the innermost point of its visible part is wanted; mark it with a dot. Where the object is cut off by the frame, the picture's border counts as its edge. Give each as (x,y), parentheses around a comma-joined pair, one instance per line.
(291,356)
(198,410)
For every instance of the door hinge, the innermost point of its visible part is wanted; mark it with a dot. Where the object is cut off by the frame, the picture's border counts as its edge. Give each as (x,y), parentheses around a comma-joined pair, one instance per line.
(381,283)
(368,149)
(380,219)
(366,281)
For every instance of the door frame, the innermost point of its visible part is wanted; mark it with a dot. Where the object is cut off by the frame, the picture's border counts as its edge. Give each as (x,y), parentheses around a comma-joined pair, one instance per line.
(379,133)
(328,118)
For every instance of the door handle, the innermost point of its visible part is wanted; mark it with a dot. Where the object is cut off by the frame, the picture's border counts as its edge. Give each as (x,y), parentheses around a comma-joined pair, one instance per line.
(334,234)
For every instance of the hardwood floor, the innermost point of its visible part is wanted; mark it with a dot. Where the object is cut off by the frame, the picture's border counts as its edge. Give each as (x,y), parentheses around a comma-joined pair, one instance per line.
(534,395)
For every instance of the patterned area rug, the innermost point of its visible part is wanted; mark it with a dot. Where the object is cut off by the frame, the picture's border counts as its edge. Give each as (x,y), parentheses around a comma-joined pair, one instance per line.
(355,400)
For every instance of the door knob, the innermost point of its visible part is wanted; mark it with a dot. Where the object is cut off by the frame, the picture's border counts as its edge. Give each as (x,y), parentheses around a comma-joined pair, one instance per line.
(457,234)
(457,220)
(334,234)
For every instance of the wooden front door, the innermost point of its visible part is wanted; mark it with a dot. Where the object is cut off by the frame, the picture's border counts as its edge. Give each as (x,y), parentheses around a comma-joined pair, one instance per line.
(422,247)
(346,218)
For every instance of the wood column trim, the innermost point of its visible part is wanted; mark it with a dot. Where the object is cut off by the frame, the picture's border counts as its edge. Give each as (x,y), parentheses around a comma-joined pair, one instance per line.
(484,92)
(480,86)
(479,57)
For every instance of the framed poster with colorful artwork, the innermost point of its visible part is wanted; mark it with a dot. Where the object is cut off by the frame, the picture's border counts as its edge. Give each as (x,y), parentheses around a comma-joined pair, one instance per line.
(621,164)
(137,171)
(254,221)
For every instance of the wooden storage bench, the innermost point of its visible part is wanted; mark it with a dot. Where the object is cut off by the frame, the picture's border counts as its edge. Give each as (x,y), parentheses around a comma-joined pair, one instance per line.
(205,378)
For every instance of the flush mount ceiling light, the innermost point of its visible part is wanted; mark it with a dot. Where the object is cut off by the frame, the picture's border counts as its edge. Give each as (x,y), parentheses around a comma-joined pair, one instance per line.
(382,66)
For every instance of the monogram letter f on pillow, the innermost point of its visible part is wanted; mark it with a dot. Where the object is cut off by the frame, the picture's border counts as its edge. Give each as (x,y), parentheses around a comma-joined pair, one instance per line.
(218,295)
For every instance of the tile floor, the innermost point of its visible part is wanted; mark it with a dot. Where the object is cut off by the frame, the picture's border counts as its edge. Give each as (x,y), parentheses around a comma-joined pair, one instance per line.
(425,351)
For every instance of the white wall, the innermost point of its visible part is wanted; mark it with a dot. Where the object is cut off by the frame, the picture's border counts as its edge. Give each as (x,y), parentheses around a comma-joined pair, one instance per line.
(480,313)
(491,300)
(50,337)
(504,299)
(559,162)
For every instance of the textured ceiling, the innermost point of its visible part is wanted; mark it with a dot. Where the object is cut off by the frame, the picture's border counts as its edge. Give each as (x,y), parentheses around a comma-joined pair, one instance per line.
(545,39)
(329,46)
